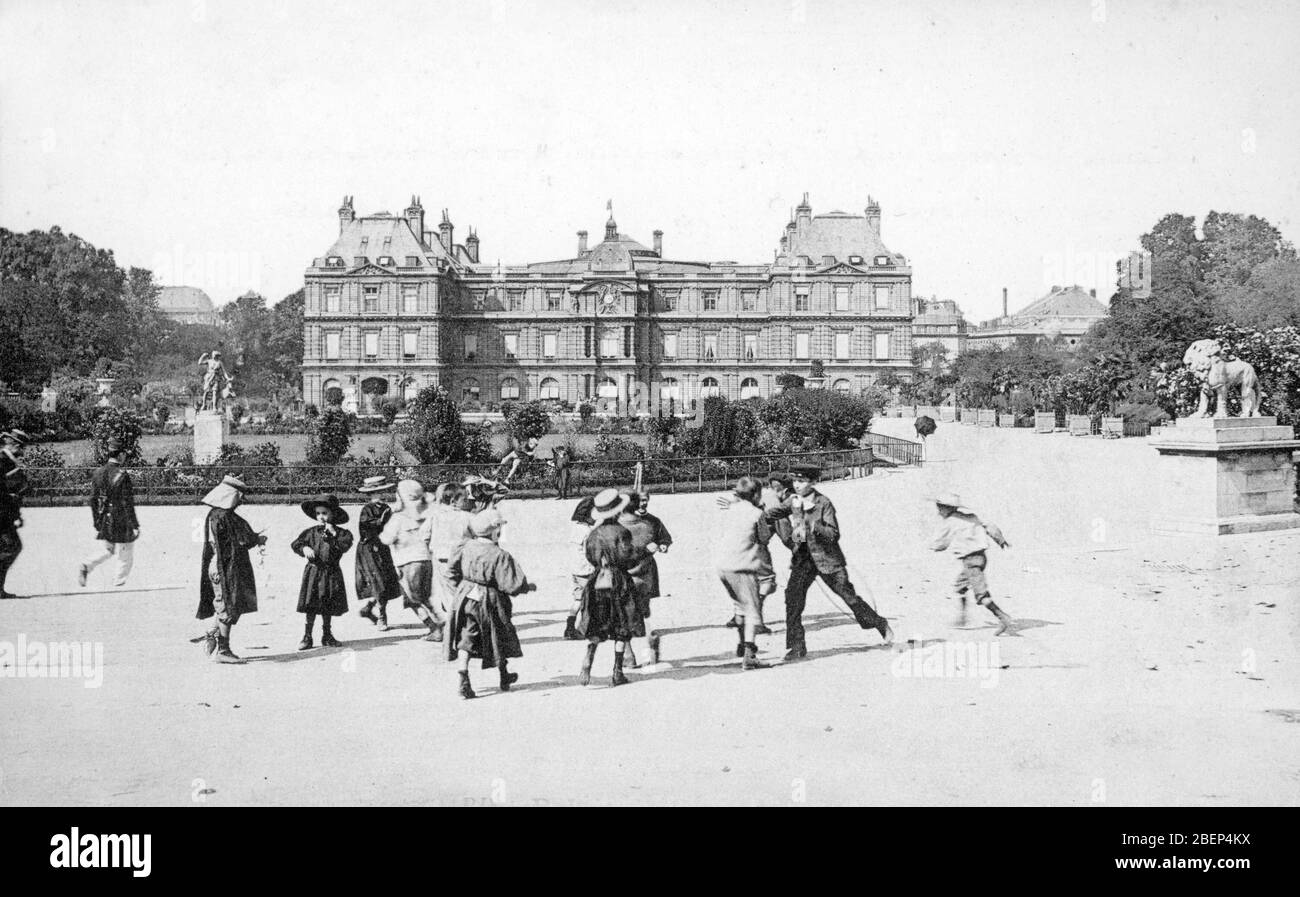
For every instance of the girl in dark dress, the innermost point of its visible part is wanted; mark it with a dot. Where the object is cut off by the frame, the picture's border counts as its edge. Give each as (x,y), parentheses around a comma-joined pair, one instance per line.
(377,579)
(323,590)
(609,608)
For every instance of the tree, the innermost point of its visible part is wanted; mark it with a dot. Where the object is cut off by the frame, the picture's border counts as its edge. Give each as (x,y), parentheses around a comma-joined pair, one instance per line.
(434,432)
(118,424)
(528,421)
(328,437)
(1233,245)
(284,346)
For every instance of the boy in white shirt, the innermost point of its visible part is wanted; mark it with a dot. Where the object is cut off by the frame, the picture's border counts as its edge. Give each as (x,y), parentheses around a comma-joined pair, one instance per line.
(966,536)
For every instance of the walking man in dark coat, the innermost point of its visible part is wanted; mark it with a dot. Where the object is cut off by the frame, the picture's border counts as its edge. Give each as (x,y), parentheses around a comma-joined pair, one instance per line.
(815,540)
(112,509)
(227,589)
(563,471)
(13,486)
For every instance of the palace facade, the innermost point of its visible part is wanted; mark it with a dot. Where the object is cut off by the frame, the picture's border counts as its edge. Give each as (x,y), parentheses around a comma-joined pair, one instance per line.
(393,307)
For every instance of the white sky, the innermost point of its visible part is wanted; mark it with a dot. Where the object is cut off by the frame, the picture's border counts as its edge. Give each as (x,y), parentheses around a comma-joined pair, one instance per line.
(1017,144)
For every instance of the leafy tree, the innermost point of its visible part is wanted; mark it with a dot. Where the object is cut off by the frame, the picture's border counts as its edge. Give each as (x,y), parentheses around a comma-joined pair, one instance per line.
(528,421)
(434,432)
(119,424)
(328,436)
(789,381)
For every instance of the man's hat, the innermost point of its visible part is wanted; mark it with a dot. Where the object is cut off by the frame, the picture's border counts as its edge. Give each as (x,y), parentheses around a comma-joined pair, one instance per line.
(337,515)
(376,484)
(811,472)
(17,436)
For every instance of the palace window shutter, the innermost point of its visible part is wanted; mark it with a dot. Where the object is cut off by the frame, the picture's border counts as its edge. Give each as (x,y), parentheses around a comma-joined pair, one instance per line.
(627,342)
(586,344)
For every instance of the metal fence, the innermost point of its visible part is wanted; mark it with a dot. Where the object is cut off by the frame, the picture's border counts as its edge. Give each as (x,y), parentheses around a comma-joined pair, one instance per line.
(298,482)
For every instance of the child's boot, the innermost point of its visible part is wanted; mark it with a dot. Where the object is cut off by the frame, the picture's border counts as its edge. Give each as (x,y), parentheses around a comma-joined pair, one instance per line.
(1004,619)
(367,612)
(327,639)
(571,632)
(465,691)
(751,661)
(382,614)
(618,678)
(507,678)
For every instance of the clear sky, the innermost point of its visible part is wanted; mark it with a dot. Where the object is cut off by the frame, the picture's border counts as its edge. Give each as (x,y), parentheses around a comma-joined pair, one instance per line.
(1009,144)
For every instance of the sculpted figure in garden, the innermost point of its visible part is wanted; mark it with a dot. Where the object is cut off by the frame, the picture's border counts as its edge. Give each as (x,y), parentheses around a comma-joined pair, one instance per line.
(218,384)
(1217,375)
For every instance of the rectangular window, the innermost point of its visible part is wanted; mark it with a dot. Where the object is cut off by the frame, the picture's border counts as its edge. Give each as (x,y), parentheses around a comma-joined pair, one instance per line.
(332,341)
(478,298)
(842,346)
(882,344)
(710,347)
(627,342)
(670,345)
(371,296)
(669,298)
(554,300)
(710,300)
(372,345)
(471,346)
(841,298)
(410,339)
(512,344)
(749,300)
(412,261)
(586,341)
(333,300)
(410,300)
(882,298)
(549,342)
(514,300)
(801,298)
(609,345)
(801,341)
(751,346)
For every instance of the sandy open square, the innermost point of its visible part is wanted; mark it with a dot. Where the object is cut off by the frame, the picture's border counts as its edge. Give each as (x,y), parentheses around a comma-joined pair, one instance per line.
(1145,669)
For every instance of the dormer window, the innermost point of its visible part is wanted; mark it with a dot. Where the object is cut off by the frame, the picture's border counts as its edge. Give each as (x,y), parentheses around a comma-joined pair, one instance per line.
(412,261)
(855,259)
(334,261)
(358,261)
(882,261)
(386,261)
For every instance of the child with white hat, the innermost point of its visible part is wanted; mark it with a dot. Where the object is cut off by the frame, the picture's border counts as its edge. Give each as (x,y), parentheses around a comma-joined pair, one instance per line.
(966,536)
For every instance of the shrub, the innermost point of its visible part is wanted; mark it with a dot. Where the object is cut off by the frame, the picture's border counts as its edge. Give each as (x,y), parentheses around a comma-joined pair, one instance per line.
(1142,412)
(43,456)
(818,418)
(612,448)
(328,437)
(478,446)
(231,455)
(181,456)
(390,409)
(24,414)
(333,397)
(311,411)
(264,454)
(434,433)
(121,424)
(527,421)
(789,381)
(586,410)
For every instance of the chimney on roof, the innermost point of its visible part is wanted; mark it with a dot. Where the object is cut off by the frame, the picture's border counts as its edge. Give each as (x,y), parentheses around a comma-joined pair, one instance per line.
(582,242)
(659,243)
(1004,302)
(1093,292)
(471,246)
(803,215)
(346,213)
(873,215)
(445,232)
(415,217)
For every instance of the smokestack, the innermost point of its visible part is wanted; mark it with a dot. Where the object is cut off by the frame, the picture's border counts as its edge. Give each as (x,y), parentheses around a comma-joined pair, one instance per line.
(582,242)
(1004,302)
(659,243)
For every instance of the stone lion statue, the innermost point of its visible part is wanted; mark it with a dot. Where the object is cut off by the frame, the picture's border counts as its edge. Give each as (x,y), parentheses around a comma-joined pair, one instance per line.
(1205,359)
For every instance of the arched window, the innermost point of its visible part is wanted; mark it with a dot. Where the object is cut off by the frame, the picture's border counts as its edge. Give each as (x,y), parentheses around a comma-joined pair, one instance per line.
(669,390)
(509,389)
(410,389)
(607,389)
(842,386)
(749,388)
(550,388)
(709,387)
(469,390)
(331,392)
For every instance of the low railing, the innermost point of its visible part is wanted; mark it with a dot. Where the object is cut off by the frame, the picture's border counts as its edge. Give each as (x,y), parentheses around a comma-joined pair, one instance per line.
(298,482)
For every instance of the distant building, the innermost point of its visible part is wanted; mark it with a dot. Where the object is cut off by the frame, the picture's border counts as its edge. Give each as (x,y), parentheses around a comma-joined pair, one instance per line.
(940,321)
(1065,312)
(393,306)
(187,305)
(1134,274)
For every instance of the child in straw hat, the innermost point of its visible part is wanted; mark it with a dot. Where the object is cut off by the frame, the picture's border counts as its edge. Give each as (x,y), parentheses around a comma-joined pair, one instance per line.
(966,536)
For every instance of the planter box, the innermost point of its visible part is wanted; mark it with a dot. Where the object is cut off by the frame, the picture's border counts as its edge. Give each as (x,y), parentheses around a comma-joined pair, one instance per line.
(947,413)
(1112,427)
(986,417)
(927,411)
(1006,420)
(1079,424)
(1044,422)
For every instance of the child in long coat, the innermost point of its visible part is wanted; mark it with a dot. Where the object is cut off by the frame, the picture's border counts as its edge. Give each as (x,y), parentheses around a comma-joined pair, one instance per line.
(377,579)
(485,577)
(323,590)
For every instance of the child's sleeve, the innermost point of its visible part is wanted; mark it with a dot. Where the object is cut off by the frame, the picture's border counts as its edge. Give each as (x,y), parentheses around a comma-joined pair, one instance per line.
(303,540)
(388,535)
(995,533)
(509,576)
(942,537)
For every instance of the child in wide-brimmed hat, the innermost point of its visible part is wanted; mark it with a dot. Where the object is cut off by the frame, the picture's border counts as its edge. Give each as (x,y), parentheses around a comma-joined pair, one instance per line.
(323,591)
(966,536)
(609,608)
(407,534)
(377,579)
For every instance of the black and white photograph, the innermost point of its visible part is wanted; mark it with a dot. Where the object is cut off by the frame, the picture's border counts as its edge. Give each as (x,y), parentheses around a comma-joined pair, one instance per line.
(786,403)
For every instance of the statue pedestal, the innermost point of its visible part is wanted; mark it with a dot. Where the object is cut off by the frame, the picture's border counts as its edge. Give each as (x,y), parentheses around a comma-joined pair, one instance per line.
(1220,476)
(210,429)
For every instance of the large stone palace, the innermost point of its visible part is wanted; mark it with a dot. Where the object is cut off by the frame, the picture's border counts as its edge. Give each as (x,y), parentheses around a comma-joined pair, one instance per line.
(392,307)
